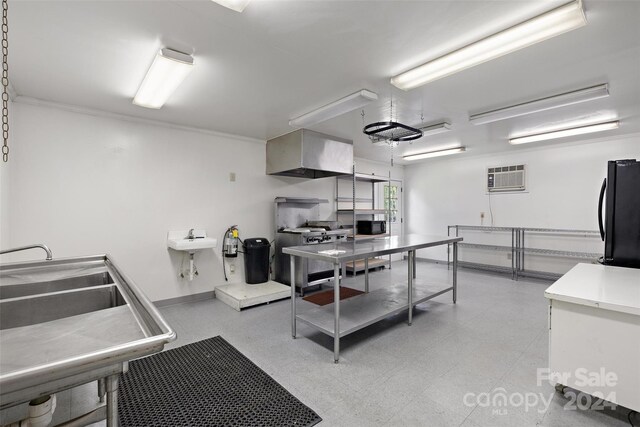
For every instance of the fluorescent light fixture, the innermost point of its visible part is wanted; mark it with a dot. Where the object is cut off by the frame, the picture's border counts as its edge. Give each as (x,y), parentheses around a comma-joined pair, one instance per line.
(237,5)
(427,130)
(435,129)
(562,133)
(341,106)
(437,153)
(543,104)
(168,70)
(550,24)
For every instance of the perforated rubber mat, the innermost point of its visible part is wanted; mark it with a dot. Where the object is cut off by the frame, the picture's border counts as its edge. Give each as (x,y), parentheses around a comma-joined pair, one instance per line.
(208,383)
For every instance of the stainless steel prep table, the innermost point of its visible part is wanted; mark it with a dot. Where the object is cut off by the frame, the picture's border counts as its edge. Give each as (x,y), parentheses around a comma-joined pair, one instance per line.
(363,310)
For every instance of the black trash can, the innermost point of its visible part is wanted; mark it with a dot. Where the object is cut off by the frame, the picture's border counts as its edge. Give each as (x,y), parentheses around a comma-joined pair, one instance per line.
(256,260)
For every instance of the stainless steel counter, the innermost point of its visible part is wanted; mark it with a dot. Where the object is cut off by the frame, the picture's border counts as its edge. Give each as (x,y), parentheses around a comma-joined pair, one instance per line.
(370,248)
(370,307)
(68,322)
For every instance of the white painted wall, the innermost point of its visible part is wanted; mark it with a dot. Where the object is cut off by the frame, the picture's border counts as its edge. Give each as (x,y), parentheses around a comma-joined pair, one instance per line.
(4,181)
(563,187)
(86,183)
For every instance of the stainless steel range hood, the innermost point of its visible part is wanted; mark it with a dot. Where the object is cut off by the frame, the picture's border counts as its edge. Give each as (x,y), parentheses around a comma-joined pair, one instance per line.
(308,154)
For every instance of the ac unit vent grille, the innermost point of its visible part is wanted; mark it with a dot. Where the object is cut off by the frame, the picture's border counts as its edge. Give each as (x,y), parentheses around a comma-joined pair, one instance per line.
(506,178)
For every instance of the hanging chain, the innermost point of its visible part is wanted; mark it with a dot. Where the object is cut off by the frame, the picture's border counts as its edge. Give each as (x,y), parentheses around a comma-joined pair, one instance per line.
(390,143)
(5,82)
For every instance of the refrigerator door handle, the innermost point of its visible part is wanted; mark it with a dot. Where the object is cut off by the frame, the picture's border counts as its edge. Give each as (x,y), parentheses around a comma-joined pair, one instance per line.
(600,200)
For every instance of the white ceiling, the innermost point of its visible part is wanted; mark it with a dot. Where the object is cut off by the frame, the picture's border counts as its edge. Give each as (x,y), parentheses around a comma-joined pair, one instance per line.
(279,59)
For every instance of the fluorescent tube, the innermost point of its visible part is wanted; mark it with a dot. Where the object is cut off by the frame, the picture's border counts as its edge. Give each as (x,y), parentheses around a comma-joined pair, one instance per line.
(562,133)
(168,70)
(543,104)
(341,106)
(237,5)
(550,24)
(436,153)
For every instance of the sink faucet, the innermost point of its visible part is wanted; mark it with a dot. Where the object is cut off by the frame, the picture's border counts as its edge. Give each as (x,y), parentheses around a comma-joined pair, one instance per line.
(190,236)
(24,248)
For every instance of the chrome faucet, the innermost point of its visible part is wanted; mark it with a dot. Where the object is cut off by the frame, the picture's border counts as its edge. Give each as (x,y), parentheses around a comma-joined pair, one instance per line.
(24,248)
(190,236)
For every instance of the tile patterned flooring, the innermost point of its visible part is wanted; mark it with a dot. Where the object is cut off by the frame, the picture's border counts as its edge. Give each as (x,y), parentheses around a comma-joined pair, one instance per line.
(392,374)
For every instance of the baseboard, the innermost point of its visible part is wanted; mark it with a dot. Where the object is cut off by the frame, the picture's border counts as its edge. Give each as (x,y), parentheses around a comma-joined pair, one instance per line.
(185,298)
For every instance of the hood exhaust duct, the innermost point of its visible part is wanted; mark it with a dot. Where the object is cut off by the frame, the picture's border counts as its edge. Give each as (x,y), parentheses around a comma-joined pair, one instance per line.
(308,154)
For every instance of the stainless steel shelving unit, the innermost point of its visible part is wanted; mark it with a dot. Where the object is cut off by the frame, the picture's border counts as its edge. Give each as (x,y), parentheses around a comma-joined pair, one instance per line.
(360,265)
(519,250)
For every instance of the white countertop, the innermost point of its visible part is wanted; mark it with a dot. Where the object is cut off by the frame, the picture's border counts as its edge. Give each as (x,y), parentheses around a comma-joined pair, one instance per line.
(603,286)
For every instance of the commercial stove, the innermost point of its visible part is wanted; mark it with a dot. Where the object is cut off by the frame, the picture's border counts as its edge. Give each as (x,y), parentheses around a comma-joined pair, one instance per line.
(297,224)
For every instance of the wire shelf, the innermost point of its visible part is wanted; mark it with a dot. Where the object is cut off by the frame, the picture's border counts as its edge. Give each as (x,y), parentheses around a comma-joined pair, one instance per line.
(521,252)
(481,228)
(483,246)
(554,252)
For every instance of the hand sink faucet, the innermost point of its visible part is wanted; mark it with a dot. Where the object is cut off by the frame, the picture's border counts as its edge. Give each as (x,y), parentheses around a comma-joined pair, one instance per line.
(24,248)
(190,236)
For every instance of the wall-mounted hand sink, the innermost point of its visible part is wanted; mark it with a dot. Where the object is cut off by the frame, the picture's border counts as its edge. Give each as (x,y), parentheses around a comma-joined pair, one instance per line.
(190,241)
(178,241)
(192,245)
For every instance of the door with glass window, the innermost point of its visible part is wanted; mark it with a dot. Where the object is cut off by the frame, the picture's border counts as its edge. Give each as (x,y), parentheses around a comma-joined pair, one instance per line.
(390,200)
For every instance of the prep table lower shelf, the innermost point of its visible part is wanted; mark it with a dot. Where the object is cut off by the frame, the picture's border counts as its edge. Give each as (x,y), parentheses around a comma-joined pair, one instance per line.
(373,263)
(365,309)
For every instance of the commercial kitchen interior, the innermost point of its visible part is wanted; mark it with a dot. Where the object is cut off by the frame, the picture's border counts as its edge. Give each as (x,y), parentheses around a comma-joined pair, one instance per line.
(516,107)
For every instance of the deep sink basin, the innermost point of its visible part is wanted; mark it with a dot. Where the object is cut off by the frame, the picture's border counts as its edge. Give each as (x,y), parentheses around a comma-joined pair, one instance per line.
(66,321)
(37,295)
(34,309)
(35,288)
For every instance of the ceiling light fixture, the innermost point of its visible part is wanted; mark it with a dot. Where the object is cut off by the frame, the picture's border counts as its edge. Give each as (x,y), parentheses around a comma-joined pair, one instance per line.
(542,27)
(562,133)
(237,5)
(337,108)
(542,104)
(436,153)
(435,129)
(168,70)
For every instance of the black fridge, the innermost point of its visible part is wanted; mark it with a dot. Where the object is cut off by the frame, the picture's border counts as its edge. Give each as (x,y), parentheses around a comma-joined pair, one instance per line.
(620,229)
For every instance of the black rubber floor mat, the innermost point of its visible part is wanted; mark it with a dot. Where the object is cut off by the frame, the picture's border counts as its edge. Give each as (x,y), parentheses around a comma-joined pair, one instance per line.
(207,383)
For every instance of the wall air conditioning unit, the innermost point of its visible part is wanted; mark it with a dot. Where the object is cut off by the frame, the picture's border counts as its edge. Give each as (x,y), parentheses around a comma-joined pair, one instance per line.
(506,178)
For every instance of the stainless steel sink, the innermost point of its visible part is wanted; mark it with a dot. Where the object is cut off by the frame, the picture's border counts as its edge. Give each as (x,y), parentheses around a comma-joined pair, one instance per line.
(71,321)
(34,309)
(21,289)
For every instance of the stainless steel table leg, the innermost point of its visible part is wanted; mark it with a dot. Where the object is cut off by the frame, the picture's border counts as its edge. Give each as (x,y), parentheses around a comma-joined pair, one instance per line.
(410,263)
(293,295)
(414,264)
(102,389)
(455,271)
(366,275)
(112,400)
(513,254)
(336,312)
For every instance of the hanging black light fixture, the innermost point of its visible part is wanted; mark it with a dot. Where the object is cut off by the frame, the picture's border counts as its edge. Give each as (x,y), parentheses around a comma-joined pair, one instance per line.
(391,131)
